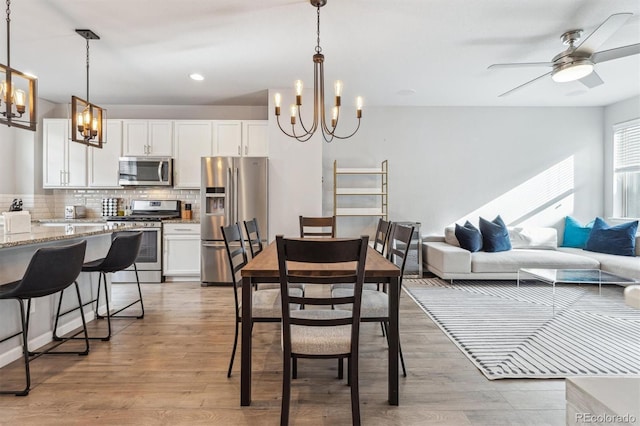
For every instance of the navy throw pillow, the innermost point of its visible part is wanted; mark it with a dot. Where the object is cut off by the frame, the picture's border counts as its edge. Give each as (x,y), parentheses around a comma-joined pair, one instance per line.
(618,239)
(495,235)
(469,237)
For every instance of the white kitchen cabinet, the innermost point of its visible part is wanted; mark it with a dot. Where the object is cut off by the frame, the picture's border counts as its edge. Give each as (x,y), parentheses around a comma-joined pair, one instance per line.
(103,163)
(181,251)
(228,138)
(64,162)
(255,137)
(147,138)
(248,138)
(193,139)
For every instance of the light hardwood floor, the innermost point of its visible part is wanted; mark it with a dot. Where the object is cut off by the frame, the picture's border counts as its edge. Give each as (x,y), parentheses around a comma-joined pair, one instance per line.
(170,368)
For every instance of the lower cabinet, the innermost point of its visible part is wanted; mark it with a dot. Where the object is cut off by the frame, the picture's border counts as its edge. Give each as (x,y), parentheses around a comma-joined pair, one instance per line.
(181,252)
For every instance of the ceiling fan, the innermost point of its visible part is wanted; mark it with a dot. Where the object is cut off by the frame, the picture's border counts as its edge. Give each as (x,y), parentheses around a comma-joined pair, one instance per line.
(578,60)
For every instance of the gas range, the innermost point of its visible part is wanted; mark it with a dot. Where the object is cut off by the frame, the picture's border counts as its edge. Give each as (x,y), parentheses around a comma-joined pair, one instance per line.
(146,216)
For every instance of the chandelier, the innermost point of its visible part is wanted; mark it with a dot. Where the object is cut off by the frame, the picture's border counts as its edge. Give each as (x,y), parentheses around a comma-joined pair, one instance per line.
(86,118)
(319,114)
(14,101)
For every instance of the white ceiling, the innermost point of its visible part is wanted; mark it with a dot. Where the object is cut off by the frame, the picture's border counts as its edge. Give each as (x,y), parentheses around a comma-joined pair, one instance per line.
(439,49)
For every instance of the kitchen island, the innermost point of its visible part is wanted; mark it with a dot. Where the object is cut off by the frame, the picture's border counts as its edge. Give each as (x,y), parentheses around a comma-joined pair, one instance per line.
(16,251)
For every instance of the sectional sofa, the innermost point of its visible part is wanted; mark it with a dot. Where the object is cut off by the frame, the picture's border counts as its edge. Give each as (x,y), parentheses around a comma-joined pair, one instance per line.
(531,248)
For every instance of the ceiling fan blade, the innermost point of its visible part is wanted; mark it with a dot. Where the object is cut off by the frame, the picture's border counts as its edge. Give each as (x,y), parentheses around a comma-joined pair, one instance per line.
(523,85)
(521,64)
(592,80)
(618,52)
(603,32)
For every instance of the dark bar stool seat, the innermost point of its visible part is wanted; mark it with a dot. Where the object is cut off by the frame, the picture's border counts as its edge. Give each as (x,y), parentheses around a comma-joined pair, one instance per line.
(122,254)
(51,270)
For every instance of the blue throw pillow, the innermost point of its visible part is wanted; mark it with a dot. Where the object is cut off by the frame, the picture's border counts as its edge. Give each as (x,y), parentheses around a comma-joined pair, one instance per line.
(469,237)
(495,235)
(619,239)
(575,235)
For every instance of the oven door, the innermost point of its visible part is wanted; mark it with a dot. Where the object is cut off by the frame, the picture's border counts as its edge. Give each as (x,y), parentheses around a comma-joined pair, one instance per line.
(149,260)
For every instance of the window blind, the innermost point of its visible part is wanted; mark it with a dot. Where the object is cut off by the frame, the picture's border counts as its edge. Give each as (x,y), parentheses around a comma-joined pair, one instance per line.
(626,146)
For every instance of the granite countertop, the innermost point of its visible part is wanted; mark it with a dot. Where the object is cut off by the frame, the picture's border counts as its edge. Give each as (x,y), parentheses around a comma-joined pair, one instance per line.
(43,234)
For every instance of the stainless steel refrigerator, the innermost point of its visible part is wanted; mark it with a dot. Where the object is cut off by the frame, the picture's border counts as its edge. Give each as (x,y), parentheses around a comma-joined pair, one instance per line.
(233,189)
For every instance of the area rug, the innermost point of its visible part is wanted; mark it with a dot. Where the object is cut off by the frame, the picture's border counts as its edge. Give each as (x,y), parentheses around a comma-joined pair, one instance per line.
(527,332)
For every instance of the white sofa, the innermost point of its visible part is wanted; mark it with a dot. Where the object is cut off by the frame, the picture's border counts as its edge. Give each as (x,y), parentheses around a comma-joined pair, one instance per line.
(445,258)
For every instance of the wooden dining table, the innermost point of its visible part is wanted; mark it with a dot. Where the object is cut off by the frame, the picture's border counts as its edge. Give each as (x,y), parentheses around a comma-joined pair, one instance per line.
(264,269)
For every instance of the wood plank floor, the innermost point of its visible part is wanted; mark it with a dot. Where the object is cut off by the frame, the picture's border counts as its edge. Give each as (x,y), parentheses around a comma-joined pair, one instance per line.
(170,369)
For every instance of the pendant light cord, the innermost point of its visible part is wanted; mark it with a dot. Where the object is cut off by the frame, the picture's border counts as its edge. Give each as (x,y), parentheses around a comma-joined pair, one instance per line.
(318,48)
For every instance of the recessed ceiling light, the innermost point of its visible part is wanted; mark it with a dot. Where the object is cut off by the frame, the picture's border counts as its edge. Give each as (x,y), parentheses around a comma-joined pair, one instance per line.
(196,77)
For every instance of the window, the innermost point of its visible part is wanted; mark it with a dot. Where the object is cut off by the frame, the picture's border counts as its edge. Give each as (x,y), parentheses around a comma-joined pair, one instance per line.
(626,168)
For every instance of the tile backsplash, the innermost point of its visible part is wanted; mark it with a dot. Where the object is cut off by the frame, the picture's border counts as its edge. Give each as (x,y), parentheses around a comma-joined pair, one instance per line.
(92,198)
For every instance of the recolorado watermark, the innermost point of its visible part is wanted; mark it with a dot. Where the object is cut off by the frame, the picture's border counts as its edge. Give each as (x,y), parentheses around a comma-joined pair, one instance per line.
(588,418)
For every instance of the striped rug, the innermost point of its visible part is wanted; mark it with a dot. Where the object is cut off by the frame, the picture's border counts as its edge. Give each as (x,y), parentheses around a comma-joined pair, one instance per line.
(526,332)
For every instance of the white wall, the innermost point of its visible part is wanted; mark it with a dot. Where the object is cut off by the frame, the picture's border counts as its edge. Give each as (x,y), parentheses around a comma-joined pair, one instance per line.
(295,177)
(614,114)
(446,164)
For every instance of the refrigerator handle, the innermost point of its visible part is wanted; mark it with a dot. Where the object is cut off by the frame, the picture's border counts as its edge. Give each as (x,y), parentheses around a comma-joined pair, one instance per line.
(229,214)
(235,189)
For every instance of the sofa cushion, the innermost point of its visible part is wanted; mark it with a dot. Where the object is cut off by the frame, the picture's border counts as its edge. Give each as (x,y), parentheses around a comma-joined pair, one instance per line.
(533,238)
(625,266)
(618,239)
(495,235)
(512,260)
(575,235)
(469,237)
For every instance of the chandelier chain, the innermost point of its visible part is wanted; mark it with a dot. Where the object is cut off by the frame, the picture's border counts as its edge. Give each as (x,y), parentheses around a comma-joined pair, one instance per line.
(8,33)
(87,70)
(318,48)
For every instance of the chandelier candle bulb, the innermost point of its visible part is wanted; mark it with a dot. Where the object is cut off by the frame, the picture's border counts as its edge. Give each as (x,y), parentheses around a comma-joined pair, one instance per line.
(334,116)
(299,87)
(277,100)
(293,114)
(359,107)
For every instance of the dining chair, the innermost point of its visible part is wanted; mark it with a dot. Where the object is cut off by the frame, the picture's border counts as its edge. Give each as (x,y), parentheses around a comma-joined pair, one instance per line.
(50,271)
(122,253)
(318,226)
(320,333)
(265,302)
(375,304)
(253,236)
(382,235)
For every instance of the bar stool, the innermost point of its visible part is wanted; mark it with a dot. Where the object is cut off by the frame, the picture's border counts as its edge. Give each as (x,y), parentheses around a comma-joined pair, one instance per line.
(122,254)
(51,270)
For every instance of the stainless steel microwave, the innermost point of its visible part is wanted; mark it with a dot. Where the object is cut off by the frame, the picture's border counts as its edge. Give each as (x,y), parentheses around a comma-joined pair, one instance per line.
(145,171)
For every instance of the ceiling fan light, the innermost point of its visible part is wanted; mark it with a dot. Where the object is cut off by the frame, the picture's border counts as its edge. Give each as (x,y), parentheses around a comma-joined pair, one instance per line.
(572,71)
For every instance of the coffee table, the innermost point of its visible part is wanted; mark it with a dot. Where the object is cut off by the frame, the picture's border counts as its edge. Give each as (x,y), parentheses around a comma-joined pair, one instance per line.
(573,276)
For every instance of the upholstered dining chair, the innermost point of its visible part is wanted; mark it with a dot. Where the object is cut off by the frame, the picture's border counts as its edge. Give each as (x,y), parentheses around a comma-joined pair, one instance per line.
(312,227)
(122,253)
(265,302)
(375,304)
(50,271)
(320,333)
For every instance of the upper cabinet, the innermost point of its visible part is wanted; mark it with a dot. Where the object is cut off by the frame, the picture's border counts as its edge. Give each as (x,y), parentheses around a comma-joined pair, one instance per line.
(255,137)
(147,138)
(228,138)
(64,162)
(193,139)
(103,163)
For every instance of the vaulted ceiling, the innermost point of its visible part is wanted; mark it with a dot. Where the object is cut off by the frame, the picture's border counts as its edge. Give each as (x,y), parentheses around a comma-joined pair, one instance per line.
(393,53)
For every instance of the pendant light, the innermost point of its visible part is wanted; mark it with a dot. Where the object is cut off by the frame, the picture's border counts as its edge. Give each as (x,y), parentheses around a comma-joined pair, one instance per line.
(319,114)
(17,91)
(86,118)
